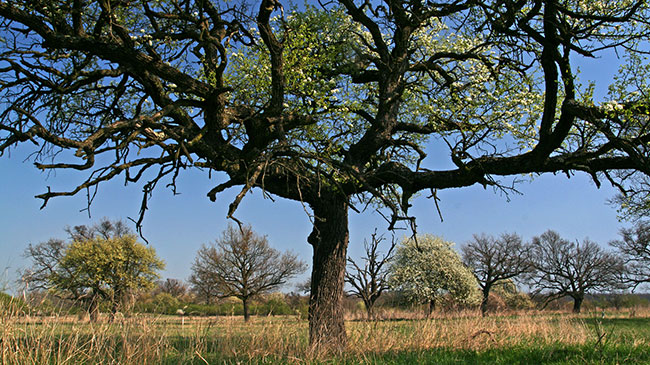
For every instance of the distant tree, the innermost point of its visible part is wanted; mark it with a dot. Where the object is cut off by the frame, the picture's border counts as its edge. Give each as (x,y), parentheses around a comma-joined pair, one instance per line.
(94,266)
(242,264)
(304,287)
(174,287)
(634,247)
(428,268)
(105,228)
(370,279)
(566,269)
(202,285)
(494,260)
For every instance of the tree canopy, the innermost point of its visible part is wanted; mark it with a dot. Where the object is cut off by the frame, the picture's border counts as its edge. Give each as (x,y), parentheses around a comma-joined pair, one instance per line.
(494,260)
(331,106)
(565,269)
(90,268)
(241,264)
(634,247)
(429,268)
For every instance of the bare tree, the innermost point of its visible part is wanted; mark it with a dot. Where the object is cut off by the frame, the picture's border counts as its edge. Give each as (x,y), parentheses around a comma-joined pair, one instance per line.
(329,107)
(369,281)
(174,287)
(562,268)
(634,247)
(203,284)
(243,265)
(105,228)
(495,259)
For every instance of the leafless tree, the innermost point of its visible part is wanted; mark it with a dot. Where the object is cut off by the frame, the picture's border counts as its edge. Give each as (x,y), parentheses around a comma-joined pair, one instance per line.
(105,228)
(370,280)
(566,269)
(634,247)
(496,259)
(46,257)
(242,264)
(174,287)
(203,285)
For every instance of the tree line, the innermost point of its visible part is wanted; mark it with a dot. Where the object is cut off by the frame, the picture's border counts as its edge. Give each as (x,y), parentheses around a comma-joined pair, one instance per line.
(427,267)
(104,263)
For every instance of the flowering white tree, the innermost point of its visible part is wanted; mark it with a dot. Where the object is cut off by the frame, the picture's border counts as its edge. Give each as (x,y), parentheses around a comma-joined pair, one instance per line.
(426,269)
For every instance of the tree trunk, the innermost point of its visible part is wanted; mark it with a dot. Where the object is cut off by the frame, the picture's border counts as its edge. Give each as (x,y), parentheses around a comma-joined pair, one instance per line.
(329,239)
(93,309)
(369,312)
(115,305)
(577,303)
(432,307)
(246,314)
(484,301)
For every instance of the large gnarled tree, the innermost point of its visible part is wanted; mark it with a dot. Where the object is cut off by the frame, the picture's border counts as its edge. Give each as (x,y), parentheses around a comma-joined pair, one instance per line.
(331,107)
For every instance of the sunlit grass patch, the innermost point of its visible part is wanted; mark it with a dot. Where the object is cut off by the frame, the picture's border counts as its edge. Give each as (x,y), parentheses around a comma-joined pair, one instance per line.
(457,337)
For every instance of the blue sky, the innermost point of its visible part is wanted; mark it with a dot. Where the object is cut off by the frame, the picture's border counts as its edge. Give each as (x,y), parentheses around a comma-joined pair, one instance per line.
(176,226)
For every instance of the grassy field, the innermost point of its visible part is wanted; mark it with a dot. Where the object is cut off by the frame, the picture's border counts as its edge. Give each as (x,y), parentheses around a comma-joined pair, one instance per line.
(535,337)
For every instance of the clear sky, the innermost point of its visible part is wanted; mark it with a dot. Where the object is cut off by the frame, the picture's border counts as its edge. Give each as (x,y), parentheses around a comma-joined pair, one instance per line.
(176,226)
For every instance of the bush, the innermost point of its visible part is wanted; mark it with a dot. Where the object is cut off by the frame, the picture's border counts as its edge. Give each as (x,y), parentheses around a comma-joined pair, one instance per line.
(161,303)
(12,306)
(275,305)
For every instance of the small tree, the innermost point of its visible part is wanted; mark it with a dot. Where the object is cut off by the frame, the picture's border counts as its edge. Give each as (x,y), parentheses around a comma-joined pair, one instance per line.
(369,281)
(92,267)
(203,285)
(428,268)
(634,247)
(243,265)
(174,287)
(494,260)
(562,268)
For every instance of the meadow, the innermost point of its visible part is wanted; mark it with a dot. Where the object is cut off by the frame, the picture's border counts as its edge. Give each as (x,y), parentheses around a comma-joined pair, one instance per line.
(611,337)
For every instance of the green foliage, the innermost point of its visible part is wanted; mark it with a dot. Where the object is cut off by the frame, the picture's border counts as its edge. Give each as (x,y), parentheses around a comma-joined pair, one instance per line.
(110,265)
(511,296)
(10,305)
(101,264)
(430,268)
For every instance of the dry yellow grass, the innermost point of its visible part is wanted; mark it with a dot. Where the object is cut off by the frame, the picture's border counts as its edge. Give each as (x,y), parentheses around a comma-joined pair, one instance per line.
(159,339)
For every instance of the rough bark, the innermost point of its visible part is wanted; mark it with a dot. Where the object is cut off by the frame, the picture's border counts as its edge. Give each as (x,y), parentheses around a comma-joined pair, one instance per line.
(329,239)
